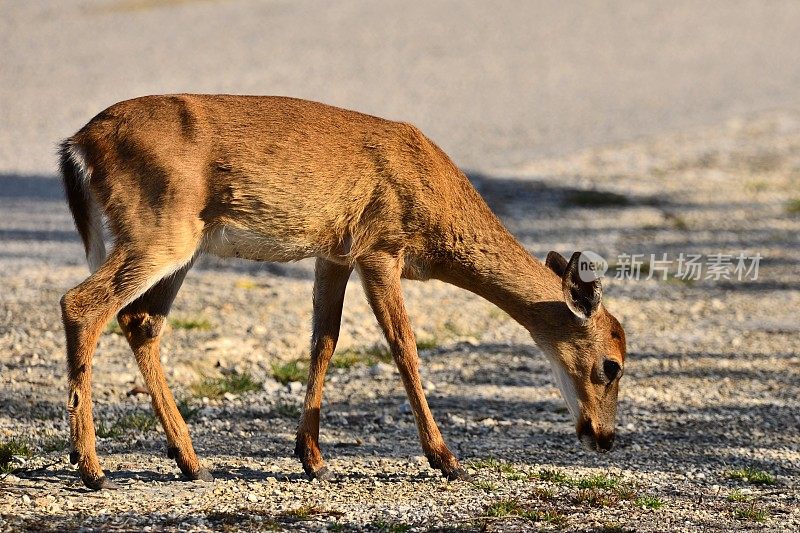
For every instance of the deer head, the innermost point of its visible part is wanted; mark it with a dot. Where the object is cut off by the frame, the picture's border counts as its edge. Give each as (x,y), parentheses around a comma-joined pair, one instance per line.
(586,348)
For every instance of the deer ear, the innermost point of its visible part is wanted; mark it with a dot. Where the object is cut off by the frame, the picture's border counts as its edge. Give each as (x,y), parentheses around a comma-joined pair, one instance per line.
(582,293)
(557,263)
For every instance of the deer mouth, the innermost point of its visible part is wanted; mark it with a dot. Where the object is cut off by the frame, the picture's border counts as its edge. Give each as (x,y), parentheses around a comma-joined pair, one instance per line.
(601,442)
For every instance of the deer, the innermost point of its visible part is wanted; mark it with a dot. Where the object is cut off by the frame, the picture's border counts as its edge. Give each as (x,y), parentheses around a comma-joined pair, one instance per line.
(279,179)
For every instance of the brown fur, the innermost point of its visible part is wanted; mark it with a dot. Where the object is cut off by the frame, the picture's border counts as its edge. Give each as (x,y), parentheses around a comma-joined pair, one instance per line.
(280,179)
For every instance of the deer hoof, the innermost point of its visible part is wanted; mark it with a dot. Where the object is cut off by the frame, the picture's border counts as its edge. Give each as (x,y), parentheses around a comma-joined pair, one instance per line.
(323,474)
(101,483)
(201,475)
(457,474)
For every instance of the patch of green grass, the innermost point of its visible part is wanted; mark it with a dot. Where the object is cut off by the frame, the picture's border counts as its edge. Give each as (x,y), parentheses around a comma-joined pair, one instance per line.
(751,475)
(234,383)
(9,449)
(611,528)
(751,512)
(598,481)
(553,476)
(490,463)
(737,496)
(335,527)
(187,410)
(512,508)
(502,508)
(650,502)
(362,356)
(756,186)
(242,519)
(104,431)
(137,422)
(793,207)
(595,198)
(128,422)
(626,492)
(190,323)
(304,512)
(543,493)
(113,328)
(485,486)
(679,223)
(429,343)
(288,410)
(291,371)
(517,476)
(391,527)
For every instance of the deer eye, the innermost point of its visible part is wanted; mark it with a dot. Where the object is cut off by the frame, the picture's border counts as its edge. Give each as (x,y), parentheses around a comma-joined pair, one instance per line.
(611,369)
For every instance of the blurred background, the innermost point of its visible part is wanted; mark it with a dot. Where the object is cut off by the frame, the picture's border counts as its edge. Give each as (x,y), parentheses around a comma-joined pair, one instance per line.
(496,85)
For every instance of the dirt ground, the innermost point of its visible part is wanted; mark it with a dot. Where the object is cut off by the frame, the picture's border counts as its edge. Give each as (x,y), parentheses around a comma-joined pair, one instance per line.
(709,420)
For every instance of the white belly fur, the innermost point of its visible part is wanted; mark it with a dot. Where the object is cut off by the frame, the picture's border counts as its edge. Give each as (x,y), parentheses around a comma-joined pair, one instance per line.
(248,244)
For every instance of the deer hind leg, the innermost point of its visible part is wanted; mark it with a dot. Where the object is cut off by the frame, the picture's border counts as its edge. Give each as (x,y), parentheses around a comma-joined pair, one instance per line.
(380,275)
(330,282)
(85,310)
(142,322)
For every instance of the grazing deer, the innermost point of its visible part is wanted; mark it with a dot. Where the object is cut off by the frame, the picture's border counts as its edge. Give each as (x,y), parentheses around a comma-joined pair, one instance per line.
(280,179)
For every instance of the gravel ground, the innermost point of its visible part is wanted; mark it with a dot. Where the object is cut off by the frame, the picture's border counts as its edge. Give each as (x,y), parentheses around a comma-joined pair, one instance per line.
(711,386)
(542,101)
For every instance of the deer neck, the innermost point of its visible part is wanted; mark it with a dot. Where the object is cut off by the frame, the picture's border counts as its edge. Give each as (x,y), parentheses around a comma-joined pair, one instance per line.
(491,263)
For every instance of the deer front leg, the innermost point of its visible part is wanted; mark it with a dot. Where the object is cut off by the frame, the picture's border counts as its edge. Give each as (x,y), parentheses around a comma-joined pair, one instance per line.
(330,282)
(380,275)
(142,322)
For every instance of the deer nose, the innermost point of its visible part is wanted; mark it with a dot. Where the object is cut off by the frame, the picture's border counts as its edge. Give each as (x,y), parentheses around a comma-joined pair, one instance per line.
(605,442)
(598,441)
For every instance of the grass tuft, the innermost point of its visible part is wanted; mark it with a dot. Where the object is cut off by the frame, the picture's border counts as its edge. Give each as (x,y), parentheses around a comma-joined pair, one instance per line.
(304,512)
(751,475)
(793,207)
(361,356)
(512,508)
(290,371)
(288,410)
(191,323)
(9,449)
(594,498)
(598,481)
(485,486)
(427,344)
(55,444)
(391,527)
(234,383)
(553,476)
(129,422)
(737,496)
(490,463)
(751,512)
(187,410)
(502,508)
(650,502)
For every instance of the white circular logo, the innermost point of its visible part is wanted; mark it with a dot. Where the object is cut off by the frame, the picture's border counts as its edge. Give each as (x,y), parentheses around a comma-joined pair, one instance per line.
(591,266)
